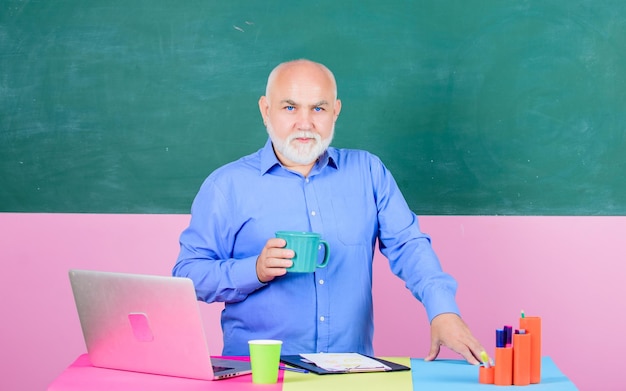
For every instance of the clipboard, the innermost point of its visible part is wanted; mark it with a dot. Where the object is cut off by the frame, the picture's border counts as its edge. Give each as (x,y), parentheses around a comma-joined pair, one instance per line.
(296,361)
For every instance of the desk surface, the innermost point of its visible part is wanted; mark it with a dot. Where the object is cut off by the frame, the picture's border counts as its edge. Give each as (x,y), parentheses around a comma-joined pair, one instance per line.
(439,374)
(459,376)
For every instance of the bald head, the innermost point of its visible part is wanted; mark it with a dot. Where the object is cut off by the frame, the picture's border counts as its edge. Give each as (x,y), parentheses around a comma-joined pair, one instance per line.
(291,69)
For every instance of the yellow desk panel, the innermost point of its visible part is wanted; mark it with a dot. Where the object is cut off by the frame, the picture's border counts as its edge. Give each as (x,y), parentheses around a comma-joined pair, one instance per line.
(396,381)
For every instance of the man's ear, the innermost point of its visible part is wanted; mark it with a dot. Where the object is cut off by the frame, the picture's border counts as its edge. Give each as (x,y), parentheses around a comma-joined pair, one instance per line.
(264,109)
(337,108)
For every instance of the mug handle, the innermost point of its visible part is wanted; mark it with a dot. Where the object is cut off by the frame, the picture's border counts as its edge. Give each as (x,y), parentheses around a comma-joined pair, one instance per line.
(326,254)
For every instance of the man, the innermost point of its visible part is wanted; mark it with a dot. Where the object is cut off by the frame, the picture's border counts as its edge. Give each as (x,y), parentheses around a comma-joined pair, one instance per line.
(297,182)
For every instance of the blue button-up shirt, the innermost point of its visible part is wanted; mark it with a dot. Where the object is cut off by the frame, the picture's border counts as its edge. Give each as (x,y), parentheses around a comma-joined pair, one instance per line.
(352,200)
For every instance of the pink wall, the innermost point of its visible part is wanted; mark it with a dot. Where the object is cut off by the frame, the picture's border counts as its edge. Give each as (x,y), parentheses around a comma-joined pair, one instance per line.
(569,270)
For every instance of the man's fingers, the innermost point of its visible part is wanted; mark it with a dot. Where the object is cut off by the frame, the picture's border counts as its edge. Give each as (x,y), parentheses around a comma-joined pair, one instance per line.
(470,351)
(434,351)
(274,260)
(469,356)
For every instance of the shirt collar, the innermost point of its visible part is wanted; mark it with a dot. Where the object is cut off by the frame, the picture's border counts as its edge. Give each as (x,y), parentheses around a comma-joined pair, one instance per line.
(329,158)
(269,159)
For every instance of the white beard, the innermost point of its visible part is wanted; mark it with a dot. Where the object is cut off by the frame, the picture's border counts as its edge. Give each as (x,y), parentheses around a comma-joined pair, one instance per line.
(301,153)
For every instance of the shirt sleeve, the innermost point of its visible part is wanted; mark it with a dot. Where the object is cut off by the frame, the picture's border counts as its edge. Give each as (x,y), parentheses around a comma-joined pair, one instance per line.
(206,251)
(408,249)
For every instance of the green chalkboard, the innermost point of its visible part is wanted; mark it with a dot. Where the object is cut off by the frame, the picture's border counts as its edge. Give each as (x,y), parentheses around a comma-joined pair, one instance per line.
(477,107)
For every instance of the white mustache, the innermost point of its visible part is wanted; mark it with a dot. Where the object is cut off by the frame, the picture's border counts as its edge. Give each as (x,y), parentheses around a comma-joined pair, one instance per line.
(304,134)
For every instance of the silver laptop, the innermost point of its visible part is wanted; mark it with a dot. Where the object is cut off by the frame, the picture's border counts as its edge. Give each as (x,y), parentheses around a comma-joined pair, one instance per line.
(146,323)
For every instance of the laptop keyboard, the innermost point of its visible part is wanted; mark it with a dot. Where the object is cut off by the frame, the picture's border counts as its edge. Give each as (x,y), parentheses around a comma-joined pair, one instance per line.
(220,369)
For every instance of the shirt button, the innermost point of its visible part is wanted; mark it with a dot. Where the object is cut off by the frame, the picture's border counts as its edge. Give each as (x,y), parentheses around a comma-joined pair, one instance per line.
(313,213)
(321,318)
(307,180)
(321,282)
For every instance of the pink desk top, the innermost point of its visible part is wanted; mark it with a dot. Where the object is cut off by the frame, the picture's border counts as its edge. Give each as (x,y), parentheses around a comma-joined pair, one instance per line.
(440,374)
(81,375)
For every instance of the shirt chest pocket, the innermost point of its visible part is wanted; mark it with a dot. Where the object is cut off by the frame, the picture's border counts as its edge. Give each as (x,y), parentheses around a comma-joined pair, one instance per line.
(355,220)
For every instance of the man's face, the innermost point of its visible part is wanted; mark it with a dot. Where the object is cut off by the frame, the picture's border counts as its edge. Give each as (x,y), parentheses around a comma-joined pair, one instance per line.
(300,113)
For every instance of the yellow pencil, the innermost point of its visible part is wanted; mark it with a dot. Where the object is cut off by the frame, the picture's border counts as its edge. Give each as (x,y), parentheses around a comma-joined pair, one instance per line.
(485,358)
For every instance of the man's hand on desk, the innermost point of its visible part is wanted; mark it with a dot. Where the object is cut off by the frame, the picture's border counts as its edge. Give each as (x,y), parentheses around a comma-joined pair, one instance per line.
(449,330)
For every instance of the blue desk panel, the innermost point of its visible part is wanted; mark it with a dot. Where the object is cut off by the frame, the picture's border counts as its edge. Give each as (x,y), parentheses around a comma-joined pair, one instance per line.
(458,375)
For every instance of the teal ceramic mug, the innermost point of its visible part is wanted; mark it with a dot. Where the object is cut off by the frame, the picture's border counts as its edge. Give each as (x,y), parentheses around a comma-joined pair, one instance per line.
(306,246)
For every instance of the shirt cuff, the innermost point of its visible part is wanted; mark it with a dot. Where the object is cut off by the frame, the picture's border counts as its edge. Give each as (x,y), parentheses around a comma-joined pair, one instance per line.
(440,302)
(244,276)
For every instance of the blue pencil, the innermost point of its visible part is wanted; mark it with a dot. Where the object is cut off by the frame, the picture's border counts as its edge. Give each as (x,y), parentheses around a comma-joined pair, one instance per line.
(284,368)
